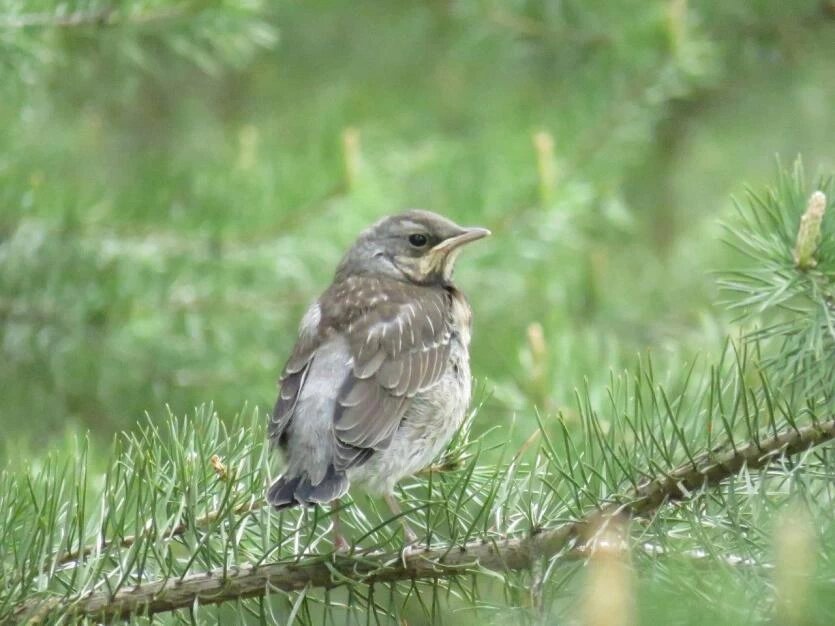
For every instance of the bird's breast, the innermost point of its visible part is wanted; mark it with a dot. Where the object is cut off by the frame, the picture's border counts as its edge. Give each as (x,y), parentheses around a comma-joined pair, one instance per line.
(431,421)
(462,316)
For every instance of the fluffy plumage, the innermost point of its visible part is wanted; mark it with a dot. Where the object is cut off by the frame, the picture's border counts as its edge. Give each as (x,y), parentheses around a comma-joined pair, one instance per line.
(379,379)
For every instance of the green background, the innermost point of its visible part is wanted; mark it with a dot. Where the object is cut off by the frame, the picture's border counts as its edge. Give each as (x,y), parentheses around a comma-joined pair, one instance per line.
(168,212)
(174,192)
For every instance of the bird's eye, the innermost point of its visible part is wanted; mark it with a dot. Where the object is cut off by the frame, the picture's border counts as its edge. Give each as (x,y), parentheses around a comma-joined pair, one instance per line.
(418,240)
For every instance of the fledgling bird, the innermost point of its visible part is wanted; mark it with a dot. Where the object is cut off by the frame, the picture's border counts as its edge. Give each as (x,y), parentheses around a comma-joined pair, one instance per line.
(379,379)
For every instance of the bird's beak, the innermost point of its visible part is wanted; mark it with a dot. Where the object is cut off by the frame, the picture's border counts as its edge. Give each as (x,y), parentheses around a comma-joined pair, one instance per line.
(468,235)
(442,257)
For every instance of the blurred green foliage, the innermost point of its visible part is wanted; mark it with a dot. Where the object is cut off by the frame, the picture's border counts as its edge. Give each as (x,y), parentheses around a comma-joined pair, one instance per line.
(174,186)
(179,179)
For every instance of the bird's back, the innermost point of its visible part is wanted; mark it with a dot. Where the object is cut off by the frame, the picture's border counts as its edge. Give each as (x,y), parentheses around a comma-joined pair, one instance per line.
(390,381)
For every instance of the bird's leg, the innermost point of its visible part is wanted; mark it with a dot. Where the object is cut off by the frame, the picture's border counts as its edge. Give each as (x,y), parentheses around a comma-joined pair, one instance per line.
(394,507)
(340,544)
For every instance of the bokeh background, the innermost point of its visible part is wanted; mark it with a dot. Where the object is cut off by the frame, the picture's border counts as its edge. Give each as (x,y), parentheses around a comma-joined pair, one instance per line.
(178,181)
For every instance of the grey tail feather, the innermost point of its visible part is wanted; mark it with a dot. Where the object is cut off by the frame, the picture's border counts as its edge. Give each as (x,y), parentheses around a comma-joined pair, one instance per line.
(286,492)
(280,493)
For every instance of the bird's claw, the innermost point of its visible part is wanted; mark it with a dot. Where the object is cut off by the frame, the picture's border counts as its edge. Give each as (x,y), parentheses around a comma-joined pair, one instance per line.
(341,545)
(409,535)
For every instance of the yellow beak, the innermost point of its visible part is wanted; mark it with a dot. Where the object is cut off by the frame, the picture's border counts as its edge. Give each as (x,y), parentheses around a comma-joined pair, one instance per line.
(469,234)
(442,257)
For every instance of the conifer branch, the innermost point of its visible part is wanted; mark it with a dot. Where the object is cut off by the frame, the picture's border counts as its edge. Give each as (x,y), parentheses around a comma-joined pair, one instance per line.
(568,541)
(75,556)
(175,531)
(105,16)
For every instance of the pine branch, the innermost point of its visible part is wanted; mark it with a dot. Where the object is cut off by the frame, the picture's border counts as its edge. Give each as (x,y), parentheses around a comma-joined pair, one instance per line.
(105,16)
(207,35)
(76,556)
(509,554)
(175,531)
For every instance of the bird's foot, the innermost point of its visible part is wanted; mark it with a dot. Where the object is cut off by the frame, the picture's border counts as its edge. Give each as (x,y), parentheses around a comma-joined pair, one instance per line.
(409,535)
(340,544)
(413,546)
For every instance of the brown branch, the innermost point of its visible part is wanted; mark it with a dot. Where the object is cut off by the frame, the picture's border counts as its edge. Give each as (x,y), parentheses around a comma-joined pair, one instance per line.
(509,554)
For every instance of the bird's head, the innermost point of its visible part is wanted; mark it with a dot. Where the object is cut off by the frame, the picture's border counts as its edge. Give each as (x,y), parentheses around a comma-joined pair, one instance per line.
(415,246)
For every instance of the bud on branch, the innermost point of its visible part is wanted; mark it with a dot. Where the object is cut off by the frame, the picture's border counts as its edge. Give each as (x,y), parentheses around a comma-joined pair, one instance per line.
(809,233)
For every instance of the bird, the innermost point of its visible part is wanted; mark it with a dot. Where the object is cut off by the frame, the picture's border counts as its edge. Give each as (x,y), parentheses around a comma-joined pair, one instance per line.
(379,380)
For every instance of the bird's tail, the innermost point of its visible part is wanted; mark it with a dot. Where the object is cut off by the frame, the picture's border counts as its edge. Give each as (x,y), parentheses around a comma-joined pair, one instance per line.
(289,491)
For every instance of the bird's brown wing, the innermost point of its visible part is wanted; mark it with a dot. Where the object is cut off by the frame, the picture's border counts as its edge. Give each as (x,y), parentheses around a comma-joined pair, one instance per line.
(399,346)
(291,382)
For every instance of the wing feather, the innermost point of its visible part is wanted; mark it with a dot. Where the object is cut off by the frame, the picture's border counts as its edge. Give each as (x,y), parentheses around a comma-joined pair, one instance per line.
(399,347)
(404,380)
(398,338)
(365,367)
(290,386)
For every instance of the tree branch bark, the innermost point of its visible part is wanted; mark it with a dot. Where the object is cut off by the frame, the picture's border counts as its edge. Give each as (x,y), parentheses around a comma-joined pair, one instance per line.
(508,554)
